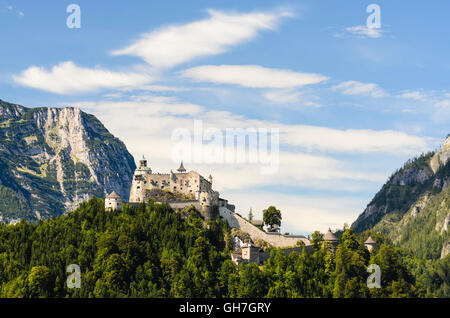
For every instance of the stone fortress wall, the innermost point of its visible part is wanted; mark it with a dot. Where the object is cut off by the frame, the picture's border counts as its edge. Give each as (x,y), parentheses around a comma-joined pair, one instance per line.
(276,240)
(191,184)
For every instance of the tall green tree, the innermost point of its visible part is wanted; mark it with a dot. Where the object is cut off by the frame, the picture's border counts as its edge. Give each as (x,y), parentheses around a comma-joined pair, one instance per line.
(272,216)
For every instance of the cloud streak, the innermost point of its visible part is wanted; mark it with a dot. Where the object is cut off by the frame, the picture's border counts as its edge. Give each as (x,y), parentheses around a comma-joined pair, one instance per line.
(252,76)
(177,44)
(68,78)
(359,88)
(362,31)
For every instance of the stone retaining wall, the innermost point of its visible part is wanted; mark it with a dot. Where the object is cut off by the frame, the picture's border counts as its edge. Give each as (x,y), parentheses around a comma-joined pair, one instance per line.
(235,221)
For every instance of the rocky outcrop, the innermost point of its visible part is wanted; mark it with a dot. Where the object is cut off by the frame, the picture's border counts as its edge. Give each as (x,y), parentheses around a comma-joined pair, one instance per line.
(51,159)
(445,250)
(441,157)
(402,190)
(413,207)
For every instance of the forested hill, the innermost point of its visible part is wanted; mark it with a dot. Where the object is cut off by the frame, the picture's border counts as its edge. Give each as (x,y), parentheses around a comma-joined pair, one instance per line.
(152,251)
(51,159)
(413,207)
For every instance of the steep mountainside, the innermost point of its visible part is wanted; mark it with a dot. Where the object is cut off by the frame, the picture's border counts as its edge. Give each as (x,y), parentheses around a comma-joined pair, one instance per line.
(413,207)
(51,159)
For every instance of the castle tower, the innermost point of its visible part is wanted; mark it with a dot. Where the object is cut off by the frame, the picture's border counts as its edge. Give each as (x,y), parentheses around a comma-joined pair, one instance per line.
(143,162)
(250,253)
(113,201)
(331,240)
(181,168)
(143,165)
(370,244)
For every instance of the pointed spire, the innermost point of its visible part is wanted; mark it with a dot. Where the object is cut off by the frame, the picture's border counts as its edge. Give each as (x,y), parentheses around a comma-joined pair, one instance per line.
(181,168)
(210,179)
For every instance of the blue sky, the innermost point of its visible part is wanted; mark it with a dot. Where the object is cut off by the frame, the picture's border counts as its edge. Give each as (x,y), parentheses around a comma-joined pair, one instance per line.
(352,103)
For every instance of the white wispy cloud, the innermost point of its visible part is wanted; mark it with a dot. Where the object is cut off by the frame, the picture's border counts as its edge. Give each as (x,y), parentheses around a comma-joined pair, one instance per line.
(68,78)
(443,103)
(362,31)
(176,44)
(151,110)
(352,140)
(253,76)
(414,95)
(282,97)
(359,88)
(289,96)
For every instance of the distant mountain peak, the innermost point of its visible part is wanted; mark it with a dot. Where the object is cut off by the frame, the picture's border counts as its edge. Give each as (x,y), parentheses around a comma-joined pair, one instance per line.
(51,159)
(442,156)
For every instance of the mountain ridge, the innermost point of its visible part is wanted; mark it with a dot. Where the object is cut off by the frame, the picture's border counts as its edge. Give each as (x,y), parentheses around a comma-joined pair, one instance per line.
(413,206)
(51,159)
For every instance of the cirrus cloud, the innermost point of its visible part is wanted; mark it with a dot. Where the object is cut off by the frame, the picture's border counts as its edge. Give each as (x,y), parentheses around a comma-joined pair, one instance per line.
(68,78)
(362,31)
(253,76)
(359,88)
(176,44)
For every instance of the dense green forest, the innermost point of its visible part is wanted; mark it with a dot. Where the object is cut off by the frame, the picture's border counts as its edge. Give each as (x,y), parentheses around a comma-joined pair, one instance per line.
(152,251)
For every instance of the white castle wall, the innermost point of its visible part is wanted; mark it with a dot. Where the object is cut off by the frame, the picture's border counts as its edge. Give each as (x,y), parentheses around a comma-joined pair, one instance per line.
(190,183)
(112,204)
(235,221)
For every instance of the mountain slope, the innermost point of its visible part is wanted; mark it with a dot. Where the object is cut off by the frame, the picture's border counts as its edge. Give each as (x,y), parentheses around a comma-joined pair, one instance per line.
(51,159)
(413,207)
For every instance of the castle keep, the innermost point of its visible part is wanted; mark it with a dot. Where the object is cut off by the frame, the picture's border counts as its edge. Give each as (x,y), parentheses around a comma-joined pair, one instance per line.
(186,189)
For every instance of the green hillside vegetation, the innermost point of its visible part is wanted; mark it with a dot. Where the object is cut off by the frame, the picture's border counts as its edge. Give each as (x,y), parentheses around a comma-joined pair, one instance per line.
(151,251)
(419,234)
(396,199)
(410,210)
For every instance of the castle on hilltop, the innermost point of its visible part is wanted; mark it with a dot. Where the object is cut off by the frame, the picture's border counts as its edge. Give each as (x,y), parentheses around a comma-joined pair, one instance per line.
(183,189)
(178,189)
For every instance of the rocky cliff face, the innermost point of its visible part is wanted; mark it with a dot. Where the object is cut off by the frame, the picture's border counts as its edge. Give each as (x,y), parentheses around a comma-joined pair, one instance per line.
(51,159)
(413,207)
